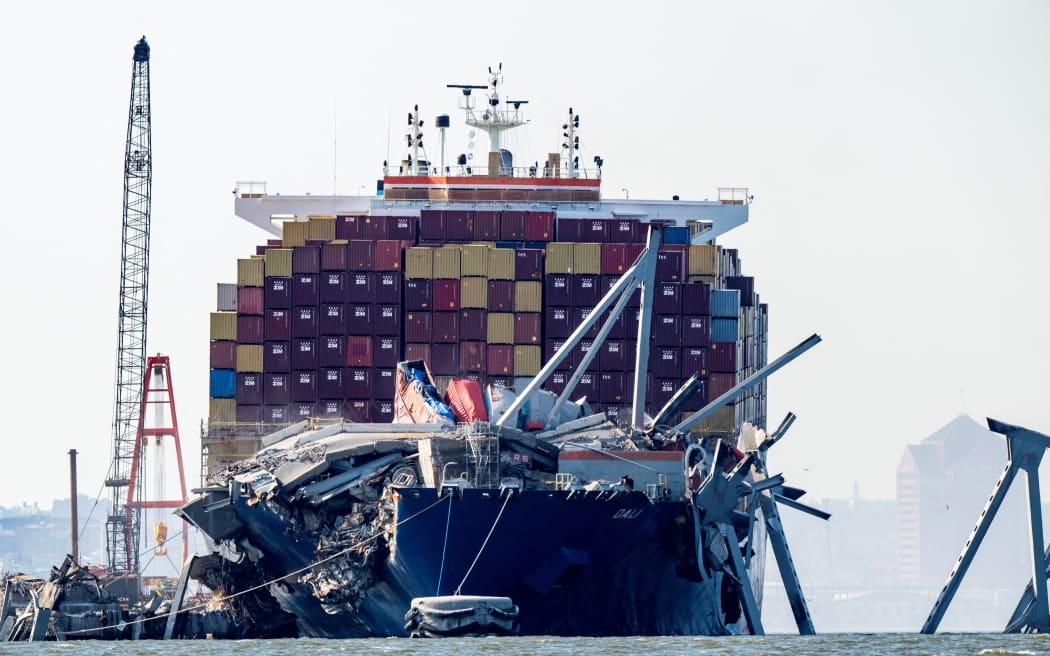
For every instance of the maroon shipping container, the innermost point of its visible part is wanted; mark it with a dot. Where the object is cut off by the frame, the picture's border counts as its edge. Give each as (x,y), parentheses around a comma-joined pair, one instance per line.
(527,328)
(500,296)
(419,294)
(249,329)
(331,351)
(661,392)
(305,288)
(671,263)
(223,354)
(277,292)
(720,383)
(459,225)
(386,320)
(540,226)
(348,226)
(550,347)
(619,327)
(665,361)
(595,230)
(722,357)
(528,264)
(417,352)
(402,228)
(418,327)
(699,399)
(569,229)
(249,414)
(330,384)
(331,409)
(334,287)
(557,289)
(362,255)
(277,325)
(556,382)
(696,298)
(277,357)
(693,361)
(304,386)
(513,226)
(361,287)
(626,231)
(472,357)
(276,389)
(382,411)
(586,387)
(667,330)
(388,288)
(580,352)
(446,295)
(304,354)
(696,330)
(300,411)
(473,325)
(499,360)
(586,290)
(335,256)
(432,225)
(444,359)
(359,383)
(332,320)
(358,351)
(359,411)
(559,322)
(388,255)
(306,259)
(607,283)
(249,300)
(580,315)
(386,352)
(359,319)
(374,228)
(612,387)
(668,298)
(486,226)
(613,356)
(276,414)
(614,259)
(445,328)
(304,321)
(249,389)
(383,383)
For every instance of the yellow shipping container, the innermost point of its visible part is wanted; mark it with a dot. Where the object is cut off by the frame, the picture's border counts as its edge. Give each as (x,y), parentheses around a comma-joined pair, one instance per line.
(704,259)
(321,227)
(279,262)
(224,325)
(475,260)
(559,258)
(294,233)
(501,263)
(419,262)
(587,258)
(446,263)
(722,421)
(501,328)
(250,273)
(473,292)
(222,410)
(526,360)
(528,296)
(249,358)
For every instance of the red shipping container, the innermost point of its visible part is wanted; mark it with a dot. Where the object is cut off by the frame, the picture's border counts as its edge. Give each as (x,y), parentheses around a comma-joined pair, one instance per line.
(445,328)
(304,386)
(446,295)
(550,347)
(359,383)
(276,389)
(432,225)
(722,357)
(277,357)
(626,231)
(361,287)
(382,411)
(334,287)
(466,401)
(500,296)
(383,381)
(418,327)
(359,319)
(486,226)
(331,384)
(362,255)
(419,294)
(559,322)
(528,264)
(359,411)
(386,352)
(668,298)
(613,356)
(331,351)
(527,327)
(444,359)
(335,256)
(634,250)
(580,315)
(612,387)
(499,360)
(388,288)
(459,225)
(402,228)
(580,352)
(693,361)
(614,259)
(277,325)
(304,354)
(306,259)
(374,228)
(671,263)
(540,226)
(667,330)
(586,290)
(305,287)
(304,321)
(388,254)
(386,320)
(249,389)
(300,411)
(249,329)
(696,330)
(331,409)
(418,352)
(223,354)
(513,226)
(472,357)
(249,414)
(332,320)
(665,361)
(473,325)
(348,226)
(557,289)
(277,292)
(358,351)
(720,383)
(249,300)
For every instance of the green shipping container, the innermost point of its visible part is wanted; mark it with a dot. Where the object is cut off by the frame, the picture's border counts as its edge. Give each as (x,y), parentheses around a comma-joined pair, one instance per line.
(501,263)
(222,411)
(279,262)
(501,327)
(321,228)
(446,263)
(473,292)
(559,258)
(295,233)
(587,258)
(224,325)
(250,272)
(528,296)
(419,262)
(526,360)
(474,260)
(249,358)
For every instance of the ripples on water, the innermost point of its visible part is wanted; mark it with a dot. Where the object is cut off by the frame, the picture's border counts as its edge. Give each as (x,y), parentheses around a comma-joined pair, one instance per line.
(849,644)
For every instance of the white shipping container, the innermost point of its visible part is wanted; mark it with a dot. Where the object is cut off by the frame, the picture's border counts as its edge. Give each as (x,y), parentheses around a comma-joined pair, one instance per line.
(227,297)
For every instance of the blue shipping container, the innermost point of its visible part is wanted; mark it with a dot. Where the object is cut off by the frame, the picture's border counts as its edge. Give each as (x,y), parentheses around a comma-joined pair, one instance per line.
(223,383)
(676,235)
(724,330)
(725,303)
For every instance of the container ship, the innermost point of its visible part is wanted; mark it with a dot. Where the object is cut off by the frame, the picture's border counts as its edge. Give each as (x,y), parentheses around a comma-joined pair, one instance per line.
(388,415)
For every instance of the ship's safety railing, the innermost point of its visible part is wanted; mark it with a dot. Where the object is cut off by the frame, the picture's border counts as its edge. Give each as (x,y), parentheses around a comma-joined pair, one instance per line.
(562,481)
(734,195)
(535,171)
(249,189)
(482,456)
(658,490)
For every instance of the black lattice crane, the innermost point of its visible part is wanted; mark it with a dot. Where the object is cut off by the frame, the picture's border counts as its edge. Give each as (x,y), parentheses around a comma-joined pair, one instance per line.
(122,525)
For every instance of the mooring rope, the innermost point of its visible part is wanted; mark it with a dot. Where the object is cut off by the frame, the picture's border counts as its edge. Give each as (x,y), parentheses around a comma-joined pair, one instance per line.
(483,545)
(444,547)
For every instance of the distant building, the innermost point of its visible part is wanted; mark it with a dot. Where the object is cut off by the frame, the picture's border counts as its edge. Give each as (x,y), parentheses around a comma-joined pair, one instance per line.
(33,540)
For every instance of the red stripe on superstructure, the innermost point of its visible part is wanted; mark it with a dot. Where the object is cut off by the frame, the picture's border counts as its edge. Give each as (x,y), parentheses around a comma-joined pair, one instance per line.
(471,181)
(627,455)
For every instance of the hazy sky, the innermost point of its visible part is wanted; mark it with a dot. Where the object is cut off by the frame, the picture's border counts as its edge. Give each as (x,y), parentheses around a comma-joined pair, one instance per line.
(899,154)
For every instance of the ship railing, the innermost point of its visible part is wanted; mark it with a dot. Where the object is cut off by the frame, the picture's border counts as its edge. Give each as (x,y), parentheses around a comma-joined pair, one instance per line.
(249,189)
(734,195)
(533,171)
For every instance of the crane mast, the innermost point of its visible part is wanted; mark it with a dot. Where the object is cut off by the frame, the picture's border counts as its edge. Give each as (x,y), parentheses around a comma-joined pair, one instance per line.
(122,525)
